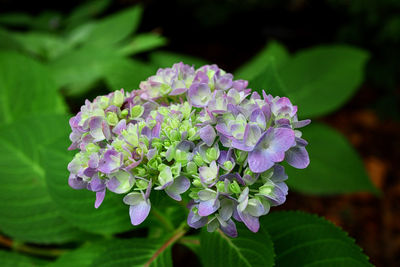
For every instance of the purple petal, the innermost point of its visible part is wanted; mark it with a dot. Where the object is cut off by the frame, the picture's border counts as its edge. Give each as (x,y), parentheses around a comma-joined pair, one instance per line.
(207,134)
(230,228)
(279,174)
(119,127)
(178,91)
(250,221)
(96,185)
(300,124)
(199,94)
(96,128)
(297,157)
(139,212)
(196,221)
(259,162)
(76,182)
(99,198)
(208,207)
(111,161)
(180,185)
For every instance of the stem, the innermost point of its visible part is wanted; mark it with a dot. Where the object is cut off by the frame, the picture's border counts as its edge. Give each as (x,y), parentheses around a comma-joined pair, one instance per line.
(32,250)
(176,236)
(190,240)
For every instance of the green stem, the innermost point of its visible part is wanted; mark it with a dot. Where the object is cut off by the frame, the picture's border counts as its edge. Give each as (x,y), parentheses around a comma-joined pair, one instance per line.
(32,250)
(181,231)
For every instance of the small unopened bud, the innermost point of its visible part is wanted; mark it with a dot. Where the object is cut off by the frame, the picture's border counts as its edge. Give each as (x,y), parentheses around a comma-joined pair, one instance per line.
(234,187)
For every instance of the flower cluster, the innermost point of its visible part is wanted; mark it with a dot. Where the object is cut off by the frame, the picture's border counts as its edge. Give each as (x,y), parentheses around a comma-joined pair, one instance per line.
(189,130)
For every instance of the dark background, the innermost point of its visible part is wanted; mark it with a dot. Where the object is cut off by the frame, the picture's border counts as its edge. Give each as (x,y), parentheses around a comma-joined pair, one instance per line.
(229,32)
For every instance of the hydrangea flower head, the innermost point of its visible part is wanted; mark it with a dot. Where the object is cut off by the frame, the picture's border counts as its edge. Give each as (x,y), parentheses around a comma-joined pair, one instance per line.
(193,132)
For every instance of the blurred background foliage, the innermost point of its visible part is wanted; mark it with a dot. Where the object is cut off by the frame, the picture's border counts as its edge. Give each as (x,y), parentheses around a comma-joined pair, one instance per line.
(337,60)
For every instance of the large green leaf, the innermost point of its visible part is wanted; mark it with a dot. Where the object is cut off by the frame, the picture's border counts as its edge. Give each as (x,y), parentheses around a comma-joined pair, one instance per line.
(86,11)
(335,167)
(248,249)
(77,206)
(126,73)
(13,259)
(116,27)
(163,59)
(82,256)
(79,69)
(268,80)
(16,19)
(321,79)
(273,50)
(27,212)
(302,239)
(138,252)
(44,45)
(142,43)
(26,87)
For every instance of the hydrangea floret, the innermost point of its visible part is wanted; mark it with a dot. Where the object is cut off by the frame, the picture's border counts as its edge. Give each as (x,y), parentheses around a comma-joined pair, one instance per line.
(189,131)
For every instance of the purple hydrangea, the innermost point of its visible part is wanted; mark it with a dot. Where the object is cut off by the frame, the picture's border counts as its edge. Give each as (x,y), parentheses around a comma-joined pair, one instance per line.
(189,130)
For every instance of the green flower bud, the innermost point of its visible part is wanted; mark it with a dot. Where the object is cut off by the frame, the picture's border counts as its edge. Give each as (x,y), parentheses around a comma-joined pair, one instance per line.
(228,165)
(220,186)
(191,167)
(92,148)
(197,183)
(198,160)
(141,184)
(165,175)
(193,195)
(248,172)
(192,134)
(235,188)
(140,171)
(240,156)
(153,163)
(212,154)
(181,156)
(186,109)
(176,169)
(124,113)
(266,189)
(175,135)
(112,118)
(136,111)
(104,102)
(117,99)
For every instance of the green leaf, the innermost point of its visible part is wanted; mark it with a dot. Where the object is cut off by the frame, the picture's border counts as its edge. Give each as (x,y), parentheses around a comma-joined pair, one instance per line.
(335,167)
(268,80)
(116,27)
(302,239)
(273,50)
(142,43)
(82,256)
(78,70)
(139,252)
(248,249)
(45,45)
(163,59)
(16,19)
(27,212)
(126,73)
(26,87)
(77,206)
(86,11)
(13,259)
(321,79)
(8,41)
